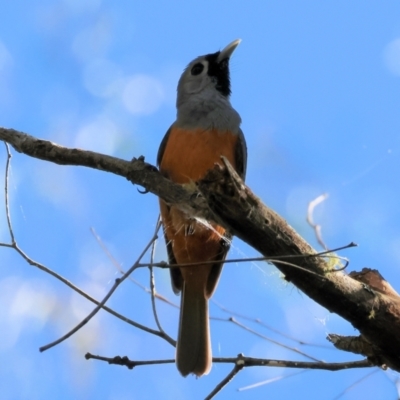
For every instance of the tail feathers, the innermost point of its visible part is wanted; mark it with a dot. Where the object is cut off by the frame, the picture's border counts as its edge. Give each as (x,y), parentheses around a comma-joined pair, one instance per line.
(193,351)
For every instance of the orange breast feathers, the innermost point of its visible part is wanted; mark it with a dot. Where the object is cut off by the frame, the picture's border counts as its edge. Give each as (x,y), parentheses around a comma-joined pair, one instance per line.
(187,156)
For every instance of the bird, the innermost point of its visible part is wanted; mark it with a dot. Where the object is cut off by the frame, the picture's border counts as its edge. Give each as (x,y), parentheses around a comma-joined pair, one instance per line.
(206,128)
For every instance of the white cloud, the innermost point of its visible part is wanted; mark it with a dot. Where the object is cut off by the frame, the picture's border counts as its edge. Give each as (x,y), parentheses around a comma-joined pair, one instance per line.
(24,306)
(391,56)
(143,95)
(33,299)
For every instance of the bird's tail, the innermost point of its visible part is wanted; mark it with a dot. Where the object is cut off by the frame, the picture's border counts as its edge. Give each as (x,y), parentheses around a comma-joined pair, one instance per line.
(193,350)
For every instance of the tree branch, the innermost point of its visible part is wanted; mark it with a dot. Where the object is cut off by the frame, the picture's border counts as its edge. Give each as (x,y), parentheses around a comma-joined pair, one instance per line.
(225,199)
(375,314)
(242,362)
(137,171)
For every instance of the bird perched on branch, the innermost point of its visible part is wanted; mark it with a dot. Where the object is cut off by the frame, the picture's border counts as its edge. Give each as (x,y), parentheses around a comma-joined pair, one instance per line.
(206,128)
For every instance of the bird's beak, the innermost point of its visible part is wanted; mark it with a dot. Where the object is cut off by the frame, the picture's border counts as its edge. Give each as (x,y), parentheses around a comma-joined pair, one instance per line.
(228,50)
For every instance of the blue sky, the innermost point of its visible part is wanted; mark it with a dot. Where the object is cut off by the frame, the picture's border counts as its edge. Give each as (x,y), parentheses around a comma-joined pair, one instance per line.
(317,86)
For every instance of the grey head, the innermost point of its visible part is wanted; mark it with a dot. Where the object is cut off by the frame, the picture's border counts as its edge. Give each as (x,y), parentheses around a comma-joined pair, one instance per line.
(204,90)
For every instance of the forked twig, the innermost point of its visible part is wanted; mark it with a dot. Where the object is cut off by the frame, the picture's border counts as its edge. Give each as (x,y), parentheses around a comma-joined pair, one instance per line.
(152,280)
(14,245)
(236,369)
(118,281)
(277,259)
(154,295)
(263,325)
(121,271)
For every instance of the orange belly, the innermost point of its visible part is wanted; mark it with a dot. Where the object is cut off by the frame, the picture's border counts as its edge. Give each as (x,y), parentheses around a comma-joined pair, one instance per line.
(187,157)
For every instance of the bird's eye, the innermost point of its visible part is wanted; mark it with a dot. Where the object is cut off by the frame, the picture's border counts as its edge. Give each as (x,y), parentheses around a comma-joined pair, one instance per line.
(197,69)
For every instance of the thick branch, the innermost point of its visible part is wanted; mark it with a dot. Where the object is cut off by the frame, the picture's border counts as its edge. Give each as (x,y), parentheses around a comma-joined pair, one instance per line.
(137,171)
(375,314)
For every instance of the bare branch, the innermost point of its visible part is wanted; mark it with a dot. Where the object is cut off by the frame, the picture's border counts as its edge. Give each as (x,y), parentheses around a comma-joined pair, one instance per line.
(236,322)
(259,322)
(7,174)
(228,202)
(152,280)
(374,314)
(14,245)
(261,362)
(357,345)
(245,362)
(137,171)
(126,362)
(65,281)
(101,304)
(325,254)
(122,272)
(239,364)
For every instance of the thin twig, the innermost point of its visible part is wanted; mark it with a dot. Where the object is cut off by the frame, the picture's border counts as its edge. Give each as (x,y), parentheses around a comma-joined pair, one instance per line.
(100,305)
(357,382)
(264,325)
(261,362)
(154,294)
(152,281)
(7,173)
(236,369)
(122,272)
(14,245)
(272,380)
(66,282)
(151,291)
(251,362)
(246,328)
(125,361)
(277,259)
